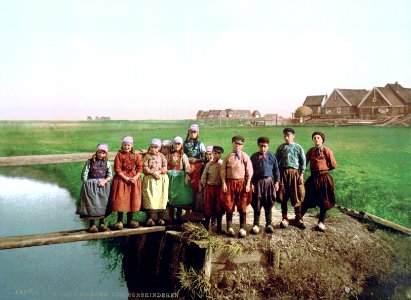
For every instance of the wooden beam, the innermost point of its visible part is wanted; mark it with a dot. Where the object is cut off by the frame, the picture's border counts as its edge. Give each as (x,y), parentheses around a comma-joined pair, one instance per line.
(46,159)
(69,237)
(375,219)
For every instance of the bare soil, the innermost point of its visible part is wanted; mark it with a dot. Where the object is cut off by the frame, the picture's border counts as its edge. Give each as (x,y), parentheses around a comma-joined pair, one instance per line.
(350,260)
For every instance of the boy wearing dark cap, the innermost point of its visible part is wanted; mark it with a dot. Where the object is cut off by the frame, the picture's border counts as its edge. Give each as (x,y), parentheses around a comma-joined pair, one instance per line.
(291,161)
(236,173)
(211,183)
(264,184)
(320,185)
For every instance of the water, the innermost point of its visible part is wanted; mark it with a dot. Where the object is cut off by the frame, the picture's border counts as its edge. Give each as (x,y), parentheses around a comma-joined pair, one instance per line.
(62,271)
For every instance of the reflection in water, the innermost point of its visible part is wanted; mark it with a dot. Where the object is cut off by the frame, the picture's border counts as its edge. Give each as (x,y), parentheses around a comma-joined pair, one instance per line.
(67,271)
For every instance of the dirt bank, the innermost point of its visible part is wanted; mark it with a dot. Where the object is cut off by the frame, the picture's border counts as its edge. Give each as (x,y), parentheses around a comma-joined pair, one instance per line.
(351,259)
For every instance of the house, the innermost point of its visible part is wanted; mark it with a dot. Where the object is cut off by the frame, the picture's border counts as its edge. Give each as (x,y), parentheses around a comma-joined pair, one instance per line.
(315,103)
(343,103)
(271,119)
(216,114)
(238,114)
(404,94)
(199,115)
(380,103)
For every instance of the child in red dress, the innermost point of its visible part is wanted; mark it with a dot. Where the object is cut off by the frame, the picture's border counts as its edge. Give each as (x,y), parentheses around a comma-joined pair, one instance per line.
(126,188)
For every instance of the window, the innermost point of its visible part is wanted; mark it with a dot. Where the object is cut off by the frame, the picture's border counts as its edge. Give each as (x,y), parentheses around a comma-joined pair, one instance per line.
(338,110)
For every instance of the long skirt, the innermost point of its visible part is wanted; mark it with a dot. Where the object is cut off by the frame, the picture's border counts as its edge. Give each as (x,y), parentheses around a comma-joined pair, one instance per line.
(212,201)
(264,193)
(155,192)
(320,191)
(235,196)
(179,194)
(93,199)
(125,196)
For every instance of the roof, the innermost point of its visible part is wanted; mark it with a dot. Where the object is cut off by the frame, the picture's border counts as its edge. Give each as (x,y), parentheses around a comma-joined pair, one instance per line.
(352,97)
(388,94)
(403,93)
(314,100)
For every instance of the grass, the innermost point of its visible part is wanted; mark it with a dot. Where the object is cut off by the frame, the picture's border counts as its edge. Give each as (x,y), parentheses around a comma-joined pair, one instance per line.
(373,162)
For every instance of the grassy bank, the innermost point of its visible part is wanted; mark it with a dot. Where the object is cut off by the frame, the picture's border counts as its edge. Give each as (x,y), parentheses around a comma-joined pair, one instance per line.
(373,162)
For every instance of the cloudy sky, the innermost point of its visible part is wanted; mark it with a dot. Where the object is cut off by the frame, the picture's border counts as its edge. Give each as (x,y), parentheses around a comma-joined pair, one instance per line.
(167,59)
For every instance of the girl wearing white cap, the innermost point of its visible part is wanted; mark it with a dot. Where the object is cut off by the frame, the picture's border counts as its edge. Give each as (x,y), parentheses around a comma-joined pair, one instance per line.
(155,184)
(125,193)
(96,176)
(195,151)
(180,193)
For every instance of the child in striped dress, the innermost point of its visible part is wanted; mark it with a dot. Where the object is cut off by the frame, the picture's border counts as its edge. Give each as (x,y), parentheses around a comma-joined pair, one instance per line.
(95,191)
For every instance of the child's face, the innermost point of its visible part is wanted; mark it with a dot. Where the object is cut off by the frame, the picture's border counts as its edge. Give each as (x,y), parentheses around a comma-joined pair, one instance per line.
(154,149)
(126,147)
(318,140)
(192,134)
(177,146)
(216,155)
(101,154)
(289,137)
(209,155)
(237,147)
(263,147)
(165,150)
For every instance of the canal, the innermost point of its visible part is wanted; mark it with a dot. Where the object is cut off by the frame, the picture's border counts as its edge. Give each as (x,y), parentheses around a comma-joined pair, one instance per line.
(64,271)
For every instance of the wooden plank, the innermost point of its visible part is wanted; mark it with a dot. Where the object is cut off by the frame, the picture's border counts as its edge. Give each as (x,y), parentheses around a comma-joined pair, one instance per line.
(372,218)
(47,159)
(69,237)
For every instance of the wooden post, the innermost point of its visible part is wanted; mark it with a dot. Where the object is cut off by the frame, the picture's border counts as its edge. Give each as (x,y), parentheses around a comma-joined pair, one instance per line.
(372,218)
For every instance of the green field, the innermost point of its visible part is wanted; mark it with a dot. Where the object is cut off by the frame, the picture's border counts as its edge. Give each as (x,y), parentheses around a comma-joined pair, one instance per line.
(373,171)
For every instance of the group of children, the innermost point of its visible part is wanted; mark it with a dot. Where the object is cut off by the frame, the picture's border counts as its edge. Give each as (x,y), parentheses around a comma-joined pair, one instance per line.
(176,171)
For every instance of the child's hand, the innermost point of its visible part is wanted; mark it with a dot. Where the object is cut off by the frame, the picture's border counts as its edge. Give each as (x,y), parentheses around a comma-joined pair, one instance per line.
(101,183)
(277,186)
(224,187)
(301,179)
(247,188)
(156,175)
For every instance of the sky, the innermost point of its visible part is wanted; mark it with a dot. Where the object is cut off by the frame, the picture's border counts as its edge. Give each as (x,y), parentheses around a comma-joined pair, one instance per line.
(138,60)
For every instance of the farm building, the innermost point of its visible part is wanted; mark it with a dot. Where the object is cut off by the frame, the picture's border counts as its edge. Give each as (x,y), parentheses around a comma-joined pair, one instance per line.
(379,103)
(343,103)
(315,103)
(404,94)
(227,114)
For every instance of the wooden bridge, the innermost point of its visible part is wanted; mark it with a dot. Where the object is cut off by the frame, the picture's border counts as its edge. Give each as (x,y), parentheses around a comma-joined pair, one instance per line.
(69,237)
